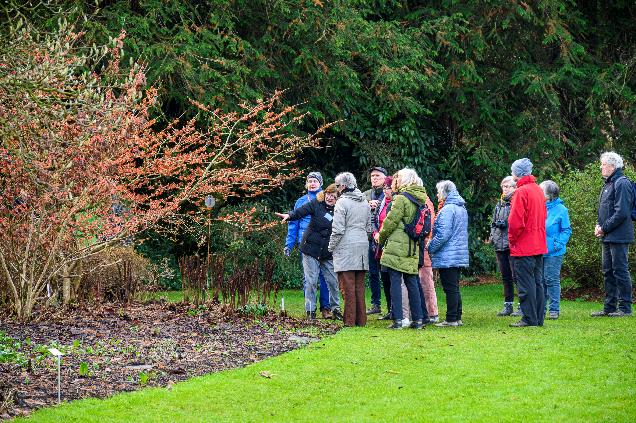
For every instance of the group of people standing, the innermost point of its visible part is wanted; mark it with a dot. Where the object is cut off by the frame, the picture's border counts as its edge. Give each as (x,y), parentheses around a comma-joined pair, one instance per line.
(344,233)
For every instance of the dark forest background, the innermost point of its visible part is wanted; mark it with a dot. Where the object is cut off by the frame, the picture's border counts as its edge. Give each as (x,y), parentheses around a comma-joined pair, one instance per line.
(454,89)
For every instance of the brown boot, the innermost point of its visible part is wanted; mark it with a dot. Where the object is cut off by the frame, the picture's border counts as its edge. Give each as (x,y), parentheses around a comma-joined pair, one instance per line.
(326,313)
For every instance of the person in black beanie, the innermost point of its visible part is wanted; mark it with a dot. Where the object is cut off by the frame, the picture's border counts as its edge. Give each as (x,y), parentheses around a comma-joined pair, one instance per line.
(374,197)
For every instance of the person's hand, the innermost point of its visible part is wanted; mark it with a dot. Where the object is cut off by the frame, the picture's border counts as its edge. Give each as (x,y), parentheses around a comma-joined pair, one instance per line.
(287,251)
(374,204)
(376,237)
(283,216)
(598,232)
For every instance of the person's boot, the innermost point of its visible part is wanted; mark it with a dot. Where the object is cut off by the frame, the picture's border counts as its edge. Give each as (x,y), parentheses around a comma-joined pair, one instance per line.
(311,315)
(506,311)
(375,309)
(417,324)
(336,314)
(517,313)
(326,313)
(397,324)
(388,316)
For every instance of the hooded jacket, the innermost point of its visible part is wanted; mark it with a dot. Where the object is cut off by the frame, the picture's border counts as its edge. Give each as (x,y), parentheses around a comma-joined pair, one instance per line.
(400,252)
(449,245)
(316,237)
(350,232)
(526,223)
(296,228)
(615,209)
(499,224)
(557,228)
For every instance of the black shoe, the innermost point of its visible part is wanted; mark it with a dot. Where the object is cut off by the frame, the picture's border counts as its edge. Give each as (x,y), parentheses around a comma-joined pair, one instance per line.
(520,324)
(505,311)
(374,310)
(388,316)
(336,314)
(601,313)
(417,324)
(397,324)
(311,315)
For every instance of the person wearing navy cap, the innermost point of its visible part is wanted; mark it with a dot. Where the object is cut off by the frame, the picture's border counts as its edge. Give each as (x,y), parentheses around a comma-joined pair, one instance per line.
(296,229)
(374,196)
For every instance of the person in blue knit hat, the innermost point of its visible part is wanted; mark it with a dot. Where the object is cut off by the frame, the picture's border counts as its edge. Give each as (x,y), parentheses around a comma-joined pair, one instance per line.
(296,229)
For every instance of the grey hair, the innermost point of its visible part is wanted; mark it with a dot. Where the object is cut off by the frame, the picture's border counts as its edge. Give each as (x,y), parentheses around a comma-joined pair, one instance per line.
(347,179)
(550,190)
(612,159)
(509,180)
(407,177)
(445,187)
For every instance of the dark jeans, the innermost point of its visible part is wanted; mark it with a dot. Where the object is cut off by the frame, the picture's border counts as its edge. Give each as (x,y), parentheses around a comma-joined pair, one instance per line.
(529,276)
(507,276)
(415,302)
(386,285)
(450,283)
(618,283)
(374,278)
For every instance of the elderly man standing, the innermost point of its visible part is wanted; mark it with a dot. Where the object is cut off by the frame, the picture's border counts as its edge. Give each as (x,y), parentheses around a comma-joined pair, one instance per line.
(616,231)
(527,239)
(374,196)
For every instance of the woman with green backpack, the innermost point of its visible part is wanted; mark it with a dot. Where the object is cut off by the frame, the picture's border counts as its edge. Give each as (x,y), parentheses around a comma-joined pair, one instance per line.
(400,254)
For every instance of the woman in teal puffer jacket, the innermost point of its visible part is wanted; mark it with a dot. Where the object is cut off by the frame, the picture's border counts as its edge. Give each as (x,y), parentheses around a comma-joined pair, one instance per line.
(558,232)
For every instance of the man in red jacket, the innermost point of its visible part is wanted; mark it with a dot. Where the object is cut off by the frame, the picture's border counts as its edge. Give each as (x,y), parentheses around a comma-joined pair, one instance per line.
(526,233)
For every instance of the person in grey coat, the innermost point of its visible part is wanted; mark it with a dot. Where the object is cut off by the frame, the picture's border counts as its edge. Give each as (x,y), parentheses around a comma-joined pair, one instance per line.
(499,240)
(449,248)
(349,243)
(616,231)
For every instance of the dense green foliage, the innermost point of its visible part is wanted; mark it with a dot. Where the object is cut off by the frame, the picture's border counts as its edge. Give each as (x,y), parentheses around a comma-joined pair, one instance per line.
(457,90)
(481,372)
(580,191)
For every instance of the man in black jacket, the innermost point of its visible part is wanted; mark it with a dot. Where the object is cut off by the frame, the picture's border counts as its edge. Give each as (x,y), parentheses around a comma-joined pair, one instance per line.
(616,231)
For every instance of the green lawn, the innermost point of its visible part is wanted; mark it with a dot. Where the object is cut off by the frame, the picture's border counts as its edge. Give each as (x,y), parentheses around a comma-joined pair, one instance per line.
(574,369)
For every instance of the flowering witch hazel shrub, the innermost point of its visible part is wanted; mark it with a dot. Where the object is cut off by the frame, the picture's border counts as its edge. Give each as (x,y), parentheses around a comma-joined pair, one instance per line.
(83,165)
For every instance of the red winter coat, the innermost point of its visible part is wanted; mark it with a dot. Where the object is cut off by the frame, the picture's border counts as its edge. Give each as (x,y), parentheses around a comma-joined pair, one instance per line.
(526,223)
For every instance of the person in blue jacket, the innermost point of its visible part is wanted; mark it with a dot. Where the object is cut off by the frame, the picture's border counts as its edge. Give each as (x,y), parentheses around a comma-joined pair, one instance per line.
(296,229)
(449,248)
(558,232)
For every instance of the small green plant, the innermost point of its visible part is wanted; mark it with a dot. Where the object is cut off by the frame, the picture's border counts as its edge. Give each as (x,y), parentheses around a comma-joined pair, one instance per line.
(254,309)
(84,370)
(10,351)
(144,377)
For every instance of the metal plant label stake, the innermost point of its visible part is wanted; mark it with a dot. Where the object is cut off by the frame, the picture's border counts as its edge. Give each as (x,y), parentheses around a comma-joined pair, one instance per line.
(58,354)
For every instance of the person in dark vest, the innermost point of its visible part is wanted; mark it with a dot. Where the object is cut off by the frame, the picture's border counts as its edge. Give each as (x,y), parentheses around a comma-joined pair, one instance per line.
(615,229)
(316,258)
(499,240)
(374,196)
(527,239)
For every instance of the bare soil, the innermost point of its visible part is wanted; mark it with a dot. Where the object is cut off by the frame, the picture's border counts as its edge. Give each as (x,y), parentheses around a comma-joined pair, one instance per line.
(111,348)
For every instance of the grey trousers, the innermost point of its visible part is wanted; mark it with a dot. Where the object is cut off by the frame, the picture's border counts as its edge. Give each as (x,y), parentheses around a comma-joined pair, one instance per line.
(312,268)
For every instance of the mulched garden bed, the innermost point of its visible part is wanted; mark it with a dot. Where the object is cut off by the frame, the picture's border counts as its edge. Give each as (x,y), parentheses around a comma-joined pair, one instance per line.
(111,348)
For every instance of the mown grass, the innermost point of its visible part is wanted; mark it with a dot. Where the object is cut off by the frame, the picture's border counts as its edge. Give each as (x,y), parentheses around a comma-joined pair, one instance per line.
(574,369)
